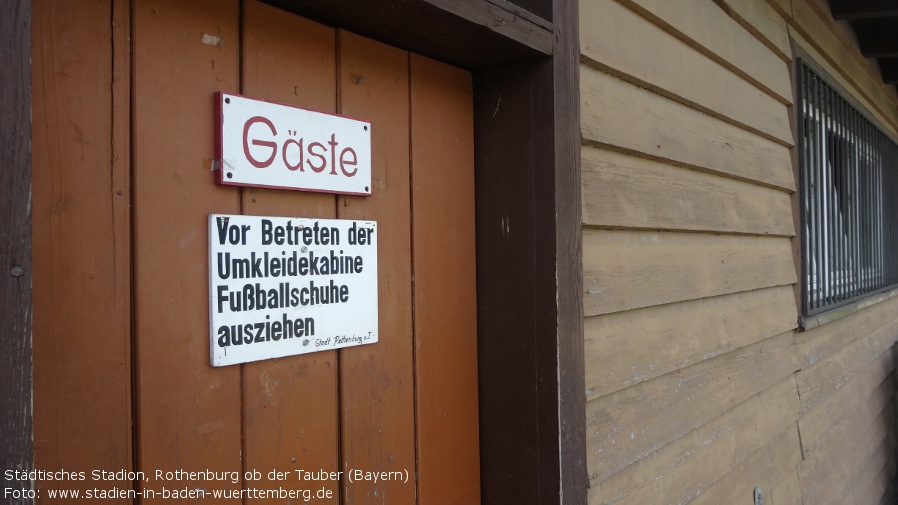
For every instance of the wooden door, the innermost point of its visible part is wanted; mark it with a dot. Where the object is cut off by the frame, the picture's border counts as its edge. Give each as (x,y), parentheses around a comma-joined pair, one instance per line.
(407,404)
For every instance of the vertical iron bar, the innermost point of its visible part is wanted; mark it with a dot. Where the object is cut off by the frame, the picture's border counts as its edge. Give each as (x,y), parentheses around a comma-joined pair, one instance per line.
(870,203)
(877,225)
(819,165)
(832,114)
(865,203)
(831,194)
(878,188)
(804,196)
(819,269)
(856,226)
(892,196)
(892,206)
(862,201)
(869,167)
(838,165)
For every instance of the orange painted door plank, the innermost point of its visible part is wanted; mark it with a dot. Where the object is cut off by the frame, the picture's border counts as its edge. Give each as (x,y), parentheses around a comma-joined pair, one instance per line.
(444,290)
(377,382)
(291,413)
(81,244)
(189,413)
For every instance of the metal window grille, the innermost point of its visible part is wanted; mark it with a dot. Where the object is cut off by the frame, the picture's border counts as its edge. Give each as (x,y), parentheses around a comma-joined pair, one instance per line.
(849,211)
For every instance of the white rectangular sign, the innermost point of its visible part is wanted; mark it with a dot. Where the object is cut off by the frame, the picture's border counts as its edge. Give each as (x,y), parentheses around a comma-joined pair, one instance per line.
(280,286)
(264,144)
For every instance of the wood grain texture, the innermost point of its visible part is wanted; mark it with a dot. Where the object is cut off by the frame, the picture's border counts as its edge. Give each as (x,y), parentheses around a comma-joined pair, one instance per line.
(540,9)
(628,45)
(567,257)
(626,348)
(826,477)
(377,381)
(472,34)
(444,273)
(784,7)
(620,114)
(710,30)
(819,343)
(504,22)
(538,12)
(685,468)
(772,468)
(824,378)
(876,490)
(870,485)
(630,424)
(627,270)
(16,419)
(844,419)
(624,191)
(291,413)
(845,57)
(189,414)
(81,241)
(818,425)
(764,21)
(511,239)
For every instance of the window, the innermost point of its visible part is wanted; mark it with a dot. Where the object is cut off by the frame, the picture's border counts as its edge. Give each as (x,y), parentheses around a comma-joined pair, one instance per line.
(849,209)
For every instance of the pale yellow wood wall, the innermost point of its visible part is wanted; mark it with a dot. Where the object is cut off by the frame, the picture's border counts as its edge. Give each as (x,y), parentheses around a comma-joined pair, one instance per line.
(698,385)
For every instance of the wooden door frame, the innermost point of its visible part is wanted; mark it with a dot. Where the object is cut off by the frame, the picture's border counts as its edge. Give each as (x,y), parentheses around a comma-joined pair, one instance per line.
(16,431)
(529,261)
(527,162)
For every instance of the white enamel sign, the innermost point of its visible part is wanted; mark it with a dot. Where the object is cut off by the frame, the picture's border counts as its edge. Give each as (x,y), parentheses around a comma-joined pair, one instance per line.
(280,286)
(263,144)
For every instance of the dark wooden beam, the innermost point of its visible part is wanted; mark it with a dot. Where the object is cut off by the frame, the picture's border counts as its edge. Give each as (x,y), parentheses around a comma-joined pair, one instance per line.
(863,9)
(529,277)
(878,38)
(508,284)
(889,68)
(503,22)
(16,431)
(568,256)
(540,9)
(467,33)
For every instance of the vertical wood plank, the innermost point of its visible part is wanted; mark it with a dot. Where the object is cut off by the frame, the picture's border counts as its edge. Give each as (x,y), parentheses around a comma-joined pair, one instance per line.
(81,239)
(568,255)
(377,382)
(445,321)
(508,284)
(16,447)
(188,412)
(291,410)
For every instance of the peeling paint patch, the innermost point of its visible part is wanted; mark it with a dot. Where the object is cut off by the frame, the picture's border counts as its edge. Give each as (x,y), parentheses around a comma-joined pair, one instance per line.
(212,40)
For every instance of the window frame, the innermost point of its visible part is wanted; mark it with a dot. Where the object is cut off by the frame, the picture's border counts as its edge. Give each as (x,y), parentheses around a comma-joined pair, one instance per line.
(848,174)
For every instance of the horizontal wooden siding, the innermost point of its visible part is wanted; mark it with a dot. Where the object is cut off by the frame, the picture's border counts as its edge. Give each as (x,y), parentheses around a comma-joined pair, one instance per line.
(699,385)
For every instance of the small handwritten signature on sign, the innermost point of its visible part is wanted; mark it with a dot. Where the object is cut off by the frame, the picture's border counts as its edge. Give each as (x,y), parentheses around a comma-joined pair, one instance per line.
(264,144)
